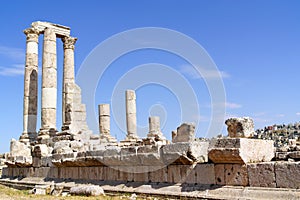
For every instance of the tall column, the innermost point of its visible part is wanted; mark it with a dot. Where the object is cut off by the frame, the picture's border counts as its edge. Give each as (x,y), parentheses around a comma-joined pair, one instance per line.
(131,114)
(69,70)
(30,86)
(49,82)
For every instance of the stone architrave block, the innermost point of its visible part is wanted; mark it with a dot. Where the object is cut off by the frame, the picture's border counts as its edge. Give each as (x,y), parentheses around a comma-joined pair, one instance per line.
(287,174)
(240,127)
(236,175)
(262,174)
(240,150)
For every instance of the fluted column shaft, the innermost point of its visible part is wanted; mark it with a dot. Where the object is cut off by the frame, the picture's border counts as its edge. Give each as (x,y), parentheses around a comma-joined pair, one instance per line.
(69,70)
(30,86)
(49,81)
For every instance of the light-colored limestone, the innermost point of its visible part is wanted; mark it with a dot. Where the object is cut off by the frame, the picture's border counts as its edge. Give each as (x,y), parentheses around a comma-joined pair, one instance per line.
(287,174)
(236,174)
(104,125)
(219,174)
(154,126)
(155,135)
(49,99)
(240,150)
(60,31)
(19,149)
(49,87)
(69,69)
(30,86)
(185,153)
(184,133)
(87,190)
(262,174)
(240,127)
(131,121)
(205,174)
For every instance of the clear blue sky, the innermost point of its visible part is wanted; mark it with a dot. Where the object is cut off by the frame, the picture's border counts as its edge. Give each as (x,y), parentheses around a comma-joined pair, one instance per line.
(254,44)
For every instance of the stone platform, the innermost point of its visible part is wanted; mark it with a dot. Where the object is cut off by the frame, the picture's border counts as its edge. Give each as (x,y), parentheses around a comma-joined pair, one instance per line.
(165,190)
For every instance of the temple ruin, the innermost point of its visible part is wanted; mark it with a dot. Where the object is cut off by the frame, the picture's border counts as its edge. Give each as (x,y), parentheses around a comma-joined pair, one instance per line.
(186,166)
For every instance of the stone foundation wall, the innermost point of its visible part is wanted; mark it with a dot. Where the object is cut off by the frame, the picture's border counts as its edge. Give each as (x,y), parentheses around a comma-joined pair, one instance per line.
(268,174)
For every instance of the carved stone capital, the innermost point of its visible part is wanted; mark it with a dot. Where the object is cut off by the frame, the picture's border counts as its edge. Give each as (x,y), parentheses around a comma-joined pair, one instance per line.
(69,42)
(32,35)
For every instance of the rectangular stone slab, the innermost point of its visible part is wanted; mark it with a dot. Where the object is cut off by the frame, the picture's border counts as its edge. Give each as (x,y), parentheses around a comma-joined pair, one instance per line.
(240,150)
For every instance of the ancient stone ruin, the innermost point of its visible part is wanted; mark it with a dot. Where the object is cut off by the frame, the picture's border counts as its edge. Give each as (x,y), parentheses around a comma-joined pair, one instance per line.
(63,158)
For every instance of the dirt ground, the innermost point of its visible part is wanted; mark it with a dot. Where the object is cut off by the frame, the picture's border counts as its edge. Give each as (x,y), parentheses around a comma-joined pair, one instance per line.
(7,193)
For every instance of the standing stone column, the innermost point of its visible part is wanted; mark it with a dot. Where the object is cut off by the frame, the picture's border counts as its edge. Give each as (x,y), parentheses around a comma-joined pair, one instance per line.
(104,124)
(154,130)
(49,83)
(154,126)
(104,119)
(69,70)
(30,86)
(131,115)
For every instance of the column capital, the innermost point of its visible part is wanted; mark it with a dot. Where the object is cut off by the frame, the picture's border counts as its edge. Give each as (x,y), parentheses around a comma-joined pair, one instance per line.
(32,34)
(69,42)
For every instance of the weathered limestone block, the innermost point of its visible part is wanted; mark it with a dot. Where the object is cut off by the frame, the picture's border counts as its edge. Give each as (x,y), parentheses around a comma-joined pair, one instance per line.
(240,127)
(175,174)
(53,173)
(236,174)
(261,174)
(22,161)
(75,114)
(231,174)
(19,149)
(185,153)
(240,150)
(87,190)
(220,174)
(41,189)
(41,172)
(184,133)
(287,174)
(62,147)
(205,174)
(141,174)
(159,176)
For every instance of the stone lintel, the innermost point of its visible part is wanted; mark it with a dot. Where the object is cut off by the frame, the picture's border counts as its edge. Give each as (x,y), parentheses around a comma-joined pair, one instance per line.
(60,30)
